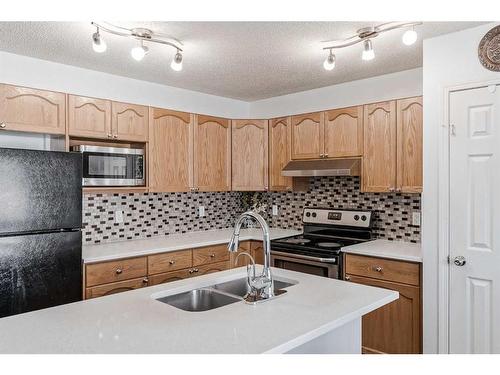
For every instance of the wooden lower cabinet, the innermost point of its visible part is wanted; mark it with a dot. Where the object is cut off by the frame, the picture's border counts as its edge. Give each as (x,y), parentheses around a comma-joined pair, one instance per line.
(395,328)
(121,286)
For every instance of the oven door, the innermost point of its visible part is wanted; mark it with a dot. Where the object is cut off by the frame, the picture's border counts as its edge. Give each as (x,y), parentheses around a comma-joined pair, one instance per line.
(310,265)
(112,166)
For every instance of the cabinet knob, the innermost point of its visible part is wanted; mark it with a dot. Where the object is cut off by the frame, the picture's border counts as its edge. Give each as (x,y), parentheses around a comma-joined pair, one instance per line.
(398,190)
(118,271)
(3,125)
(325,155)
(347,278)
(110,136)
(378,269)
(172,262)
(212,255)
(391,189)
(145,280)
(195,270)
(115,136)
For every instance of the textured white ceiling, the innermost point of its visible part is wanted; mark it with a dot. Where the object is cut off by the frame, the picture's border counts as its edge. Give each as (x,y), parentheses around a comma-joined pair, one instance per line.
(240,60)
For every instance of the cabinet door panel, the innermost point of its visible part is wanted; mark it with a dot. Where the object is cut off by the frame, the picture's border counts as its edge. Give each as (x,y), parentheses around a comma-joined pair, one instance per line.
(129,122)
(30,110)
(410,133)
(393,328)
(250,155)
(279,153)
(307,132)
(344,132)
(89,117)
(211,268)
(379,154)
(212,154)
(171,151)
(168,277)
(119,287)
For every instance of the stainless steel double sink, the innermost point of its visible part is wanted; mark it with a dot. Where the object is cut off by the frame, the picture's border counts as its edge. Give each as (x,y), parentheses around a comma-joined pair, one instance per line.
(212,297)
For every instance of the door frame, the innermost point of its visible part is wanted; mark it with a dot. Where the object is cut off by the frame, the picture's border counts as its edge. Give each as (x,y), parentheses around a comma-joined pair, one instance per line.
(444,213)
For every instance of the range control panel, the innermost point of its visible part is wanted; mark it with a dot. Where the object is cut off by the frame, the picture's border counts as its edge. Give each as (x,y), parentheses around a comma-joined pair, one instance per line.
(348,218)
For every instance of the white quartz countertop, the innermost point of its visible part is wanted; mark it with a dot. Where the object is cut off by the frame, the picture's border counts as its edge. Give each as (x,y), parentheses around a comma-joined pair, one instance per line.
(160,244)
(134,322)
(399,250)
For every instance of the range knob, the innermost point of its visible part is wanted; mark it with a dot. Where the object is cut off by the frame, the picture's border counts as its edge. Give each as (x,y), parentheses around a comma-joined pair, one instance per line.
(308,214)
(363,218)
(314,214)
(356,217)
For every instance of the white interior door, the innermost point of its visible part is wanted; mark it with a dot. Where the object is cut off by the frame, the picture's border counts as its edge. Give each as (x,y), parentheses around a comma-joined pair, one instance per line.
(474,325)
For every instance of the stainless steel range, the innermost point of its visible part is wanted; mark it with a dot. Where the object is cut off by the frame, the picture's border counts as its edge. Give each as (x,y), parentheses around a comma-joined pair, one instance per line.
(318,250)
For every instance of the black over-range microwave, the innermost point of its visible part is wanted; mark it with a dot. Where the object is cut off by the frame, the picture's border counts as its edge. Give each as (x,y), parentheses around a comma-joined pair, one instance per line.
(111,166)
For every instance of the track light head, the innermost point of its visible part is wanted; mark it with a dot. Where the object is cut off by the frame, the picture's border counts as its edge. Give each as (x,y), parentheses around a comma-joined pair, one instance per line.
(176,63)
(329,63)
(410,37)
(139,52)
(98,43)
(368,52)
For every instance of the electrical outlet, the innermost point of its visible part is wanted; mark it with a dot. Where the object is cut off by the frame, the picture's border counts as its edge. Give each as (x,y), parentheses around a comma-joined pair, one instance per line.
(275,210)
(118,216)
(416,219)
(201,211)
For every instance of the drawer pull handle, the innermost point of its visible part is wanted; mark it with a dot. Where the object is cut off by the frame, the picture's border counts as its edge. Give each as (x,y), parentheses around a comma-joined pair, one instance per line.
(118,271)
(172,262)
(378,269)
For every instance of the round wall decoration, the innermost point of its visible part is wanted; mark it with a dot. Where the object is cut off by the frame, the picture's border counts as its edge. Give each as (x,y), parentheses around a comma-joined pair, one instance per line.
(489,49)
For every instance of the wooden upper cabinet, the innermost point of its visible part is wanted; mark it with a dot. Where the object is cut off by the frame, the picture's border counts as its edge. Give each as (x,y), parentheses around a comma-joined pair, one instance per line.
(307,133)
(249,155)
(212,153)
(379,153)
(409,148)
(129,122)
(344,132)
(279,153)
(170,150)
(30,110)
(89,117)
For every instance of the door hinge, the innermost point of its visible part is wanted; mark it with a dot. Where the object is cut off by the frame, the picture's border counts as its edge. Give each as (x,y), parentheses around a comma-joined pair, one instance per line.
(448,259)
(452,130)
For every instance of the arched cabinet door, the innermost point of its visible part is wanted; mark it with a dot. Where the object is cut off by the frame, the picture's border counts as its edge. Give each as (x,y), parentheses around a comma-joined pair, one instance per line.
(379,153)
(168,277)
(30,110)
(89,117)
(210,268)
(212,153)
(170,151)
(279,153)
(410,134)
(344,132)
(250,155)
(307,133)
(129,122)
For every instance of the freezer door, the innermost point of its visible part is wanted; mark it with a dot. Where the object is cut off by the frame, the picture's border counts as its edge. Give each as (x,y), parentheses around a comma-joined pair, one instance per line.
(39,271)
(41,190)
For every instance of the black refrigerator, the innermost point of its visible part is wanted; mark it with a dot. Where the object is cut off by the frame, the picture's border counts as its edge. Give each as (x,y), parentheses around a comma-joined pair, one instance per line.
(40,229)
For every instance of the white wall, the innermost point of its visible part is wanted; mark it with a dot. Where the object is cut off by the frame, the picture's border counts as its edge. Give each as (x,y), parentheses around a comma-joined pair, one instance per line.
(42,74)
(385,87)
(449,60)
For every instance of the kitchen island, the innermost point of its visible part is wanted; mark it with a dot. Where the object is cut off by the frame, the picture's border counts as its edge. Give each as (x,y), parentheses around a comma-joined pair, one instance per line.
(316,315)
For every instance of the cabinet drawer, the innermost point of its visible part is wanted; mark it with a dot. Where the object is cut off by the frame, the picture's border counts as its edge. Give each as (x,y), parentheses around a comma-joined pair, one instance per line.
(167,262)
(210,254)
(121,286)
(170,276)
(118,270)
(383,269)
(210,268)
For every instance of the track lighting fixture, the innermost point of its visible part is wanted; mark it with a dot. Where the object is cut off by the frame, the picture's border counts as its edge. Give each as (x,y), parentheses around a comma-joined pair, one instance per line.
(365,35)
(329,63)
(98,43)
(140,34)
(176,63)
(368,52)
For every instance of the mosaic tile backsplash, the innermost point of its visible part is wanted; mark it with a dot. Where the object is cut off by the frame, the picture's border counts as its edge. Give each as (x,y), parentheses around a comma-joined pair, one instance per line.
(151,214)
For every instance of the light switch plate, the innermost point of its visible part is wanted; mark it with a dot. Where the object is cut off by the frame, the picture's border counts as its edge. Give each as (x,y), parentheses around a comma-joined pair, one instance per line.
(119,216)
(416,219)
(201,211)
(275,210)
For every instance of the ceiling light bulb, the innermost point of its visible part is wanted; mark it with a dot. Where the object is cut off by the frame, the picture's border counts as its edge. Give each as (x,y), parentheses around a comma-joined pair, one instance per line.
(410,37)
(139,52)
(329,63)
(368,52)
(176,63)
(98,44)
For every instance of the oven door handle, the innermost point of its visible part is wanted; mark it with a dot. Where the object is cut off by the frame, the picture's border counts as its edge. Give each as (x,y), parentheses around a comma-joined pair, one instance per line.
(306,257)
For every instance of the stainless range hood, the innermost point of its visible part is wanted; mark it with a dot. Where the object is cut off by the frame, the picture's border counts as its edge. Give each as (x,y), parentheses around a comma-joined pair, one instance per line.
(329,167)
